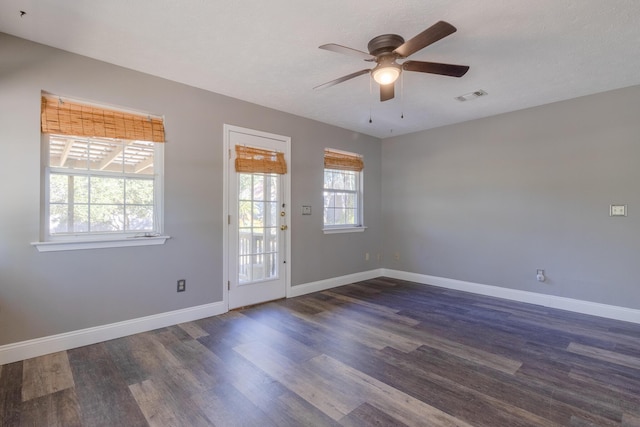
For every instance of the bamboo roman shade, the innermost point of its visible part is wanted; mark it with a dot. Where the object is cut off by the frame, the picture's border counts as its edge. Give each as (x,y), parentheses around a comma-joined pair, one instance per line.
(65,117)
(342,161)
(258,160)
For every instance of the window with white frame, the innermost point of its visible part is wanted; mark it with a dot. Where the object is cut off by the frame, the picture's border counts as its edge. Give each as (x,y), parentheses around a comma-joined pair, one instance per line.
(102,172)
(342,190)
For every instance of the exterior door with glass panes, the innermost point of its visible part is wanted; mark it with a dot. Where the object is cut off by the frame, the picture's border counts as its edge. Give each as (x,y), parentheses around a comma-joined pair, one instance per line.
(257,220)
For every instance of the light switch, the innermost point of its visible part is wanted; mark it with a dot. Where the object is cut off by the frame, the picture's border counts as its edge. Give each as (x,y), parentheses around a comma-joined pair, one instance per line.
(306,210)
(618,210)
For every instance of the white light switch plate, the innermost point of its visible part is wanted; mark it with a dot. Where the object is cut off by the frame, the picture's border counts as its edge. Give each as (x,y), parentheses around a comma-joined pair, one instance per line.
(306,210)
(618,210)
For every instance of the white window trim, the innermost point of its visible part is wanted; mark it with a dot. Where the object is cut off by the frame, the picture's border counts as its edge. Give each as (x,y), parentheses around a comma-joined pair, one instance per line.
(344,229)
(101,243)
(50,243)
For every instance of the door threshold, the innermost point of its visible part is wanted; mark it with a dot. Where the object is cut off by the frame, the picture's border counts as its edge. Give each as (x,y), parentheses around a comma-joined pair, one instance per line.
(244,307)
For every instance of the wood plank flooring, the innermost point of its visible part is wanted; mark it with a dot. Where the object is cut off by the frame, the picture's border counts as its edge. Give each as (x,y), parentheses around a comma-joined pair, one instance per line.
(381,352)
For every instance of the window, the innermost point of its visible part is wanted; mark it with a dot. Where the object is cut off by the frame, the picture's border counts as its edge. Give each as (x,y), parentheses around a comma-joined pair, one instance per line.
(100,186)
(96,187)
(342,191)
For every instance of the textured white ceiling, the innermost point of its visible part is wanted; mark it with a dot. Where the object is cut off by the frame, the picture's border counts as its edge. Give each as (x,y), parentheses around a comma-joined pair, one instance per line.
(522,52)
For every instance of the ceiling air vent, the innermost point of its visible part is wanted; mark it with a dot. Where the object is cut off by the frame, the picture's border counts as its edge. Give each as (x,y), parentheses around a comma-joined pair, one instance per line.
(472,95)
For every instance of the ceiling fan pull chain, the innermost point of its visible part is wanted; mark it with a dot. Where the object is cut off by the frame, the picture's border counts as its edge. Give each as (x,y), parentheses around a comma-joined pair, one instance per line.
(370,99)
(402,96)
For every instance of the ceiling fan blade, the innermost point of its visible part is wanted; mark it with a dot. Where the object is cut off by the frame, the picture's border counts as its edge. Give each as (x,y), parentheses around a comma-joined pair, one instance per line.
(348,51)
(437,31)
(342,79)
(387,92)
(436,68)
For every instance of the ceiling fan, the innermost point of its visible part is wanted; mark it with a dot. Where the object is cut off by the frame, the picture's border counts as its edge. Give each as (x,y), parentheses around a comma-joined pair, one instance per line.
(386,49)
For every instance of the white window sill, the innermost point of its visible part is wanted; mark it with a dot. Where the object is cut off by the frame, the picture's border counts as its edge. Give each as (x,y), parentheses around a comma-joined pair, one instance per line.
(338,230)
(73,245)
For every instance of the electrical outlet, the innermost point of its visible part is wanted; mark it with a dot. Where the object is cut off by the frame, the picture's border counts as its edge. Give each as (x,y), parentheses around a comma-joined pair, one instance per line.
(366,256)
(182,285)
(396,256)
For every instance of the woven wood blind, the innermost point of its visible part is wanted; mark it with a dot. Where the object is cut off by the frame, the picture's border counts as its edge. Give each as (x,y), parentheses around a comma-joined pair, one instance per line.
(65,117)
(342,161)
(258,160)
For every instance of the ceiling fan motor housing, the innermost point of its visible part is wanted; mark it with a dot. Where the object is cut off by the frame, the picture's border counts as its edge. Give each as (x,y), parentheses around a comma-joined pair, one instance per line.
(385,43)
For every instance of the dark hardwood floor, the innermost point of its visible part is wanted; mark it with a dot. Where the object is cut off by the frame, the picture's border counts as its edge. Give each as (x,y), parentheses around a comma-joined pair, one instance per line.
(382,352)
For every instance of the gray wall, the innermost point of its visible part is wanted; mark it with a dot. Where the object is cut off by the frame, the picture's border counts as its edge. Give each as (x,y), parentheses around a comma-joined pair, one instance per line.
(487,201)
(48,293)
(492,200)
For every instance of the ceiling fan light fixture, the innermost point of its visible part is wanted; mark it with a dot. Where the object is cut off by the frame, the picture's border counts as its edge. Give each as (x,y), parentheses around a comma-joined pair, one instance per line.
(386,74)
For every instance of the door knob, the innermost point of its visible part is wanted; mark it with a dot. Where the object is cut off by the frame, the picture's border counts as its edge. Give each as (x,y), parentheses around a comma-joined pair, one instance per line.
(283,227)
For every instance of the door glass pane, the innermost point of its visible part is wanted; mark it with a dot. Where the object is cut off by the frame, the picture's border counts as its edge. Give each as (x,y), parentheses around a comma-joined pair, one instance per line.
(257,227)
(271,215)
(244,269)
(258,214)
(258,186)
(272,186)
(244,213)
(244,186)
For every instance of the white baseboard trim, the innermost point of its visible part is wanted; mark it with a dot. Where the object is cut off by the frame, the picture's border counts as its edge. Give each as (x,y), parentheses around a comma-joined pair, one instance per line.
(323,285)
(569,304)
(40,346)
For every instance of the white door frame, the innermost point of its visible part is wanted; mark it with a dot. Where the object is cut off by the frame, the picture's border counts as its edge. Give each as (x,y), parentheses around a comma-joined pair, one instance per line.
(286,185)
